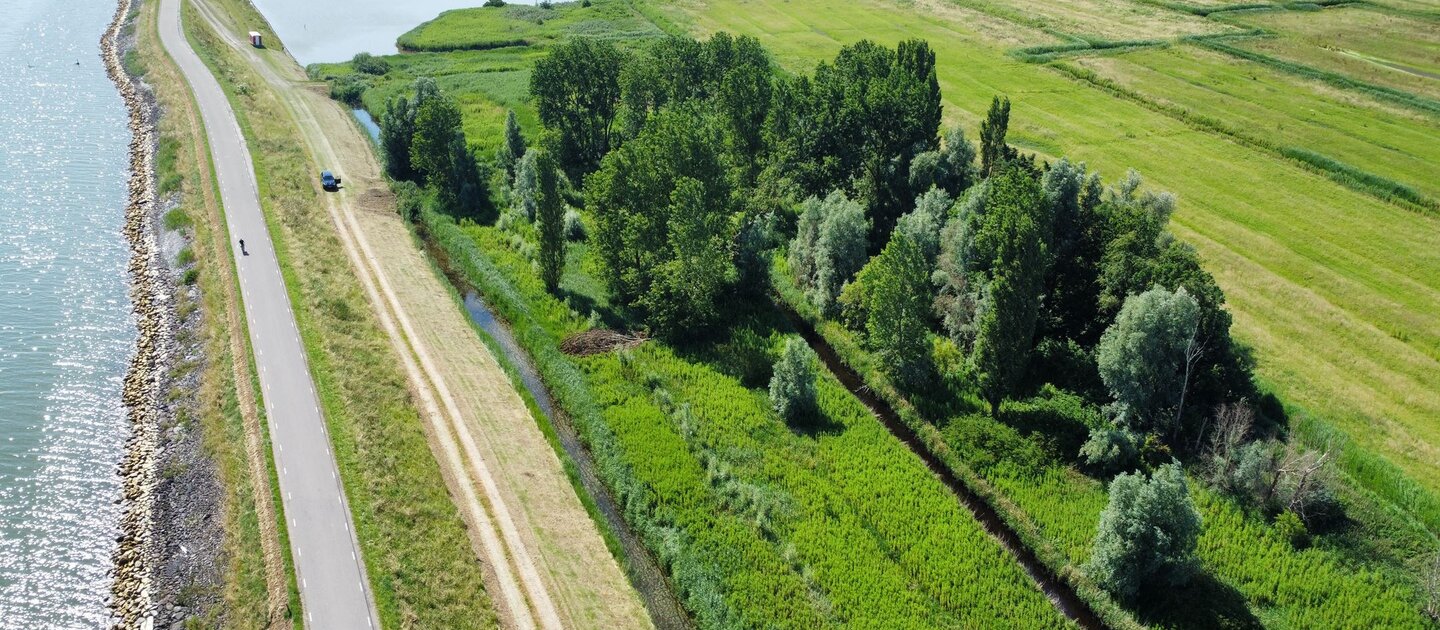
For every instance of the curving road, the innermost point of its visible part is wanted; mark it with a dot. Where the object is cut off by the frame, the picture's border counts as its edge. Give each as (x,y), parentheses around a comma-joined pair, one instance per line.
(322,540)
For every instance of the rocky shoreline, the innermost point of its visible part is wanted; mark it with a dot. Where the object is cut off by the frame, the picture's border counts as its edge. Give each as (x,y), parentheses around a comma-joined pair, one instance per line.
(166,565)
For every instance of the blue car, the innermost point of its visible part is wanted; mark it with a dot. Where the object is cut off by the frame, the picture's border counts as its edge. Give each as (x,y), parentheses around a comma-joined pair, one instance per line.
(329,181)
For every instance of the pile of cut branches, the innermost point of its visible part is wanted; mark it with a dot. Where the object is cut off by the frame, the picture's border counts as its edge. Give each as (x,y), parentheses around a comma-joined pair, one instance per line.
(599,340)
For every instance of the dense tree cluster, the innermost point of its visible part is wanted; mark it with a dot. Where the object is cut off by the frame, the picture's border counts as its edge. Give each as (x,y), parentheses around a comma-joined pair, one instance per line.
(666,220)
(423,141)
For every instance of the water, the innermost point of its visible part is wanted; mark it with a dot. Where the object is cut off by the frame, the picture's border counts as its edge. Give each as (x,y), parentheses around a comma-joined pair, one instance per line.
(334,30)
(66,332)
(368,123)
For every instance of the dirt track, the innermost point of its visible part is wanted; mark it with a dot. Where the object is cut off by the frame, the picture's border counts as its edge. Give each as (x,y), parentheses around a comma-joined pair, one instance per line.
(548,565)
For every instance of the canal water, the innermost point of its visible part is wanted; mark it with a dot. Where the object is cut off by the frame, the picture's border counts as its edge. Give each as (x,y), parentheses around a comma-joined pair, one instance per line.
(66,330)
(334,30)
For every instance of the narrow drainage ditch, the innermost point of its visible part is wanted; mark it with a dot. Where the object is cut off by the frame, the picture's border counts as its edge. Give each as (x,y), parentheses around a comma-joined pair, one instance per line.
(666,611)
(1059,593)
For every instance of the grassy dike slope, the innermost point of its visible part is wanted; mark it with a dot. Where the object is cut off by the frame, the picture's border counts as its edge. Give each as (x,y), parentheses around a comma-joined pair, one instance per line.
(413,539)
(256,581)
(1339,293)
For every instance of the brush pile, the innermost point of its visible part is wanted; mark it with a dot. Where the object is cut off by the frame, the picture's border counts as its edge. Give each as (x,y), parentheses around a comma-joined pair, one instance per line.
(598,341)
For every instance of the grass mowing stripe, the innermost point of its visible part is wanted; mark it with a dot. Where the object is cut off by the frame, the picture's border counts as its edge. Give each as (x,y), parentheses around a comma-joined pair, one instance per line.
(1345,174)
(1398,97)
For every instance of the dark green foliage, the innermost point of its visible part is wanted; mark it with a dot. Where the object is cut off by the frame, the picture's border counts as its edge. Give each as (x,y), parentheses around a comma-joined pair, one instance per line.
(896,296)
(950,168)
(993,150)
(409,200)
(550,216)
(733,74)
(577,91)
(437,122)
(792,388)
(664,220)
(858,124)
(829,248)
(1072,310)
(1147,534)
(397,131)
(1139,253)
(494,3)
(1012,235)
(1292,529)
(512,149)
(349,89)
(1110,450)
(367,63)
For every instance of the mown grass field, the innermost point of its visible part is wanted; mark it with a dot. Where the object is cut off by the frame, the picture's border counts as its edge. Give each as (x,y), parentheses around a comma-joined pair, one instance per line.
(1281,110)
(1393,51)
(416,552)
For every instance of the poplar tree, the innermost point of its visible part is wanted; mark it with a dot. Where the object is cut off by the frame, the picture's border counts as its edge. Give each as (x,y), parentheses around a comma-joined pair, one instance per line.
(551,217)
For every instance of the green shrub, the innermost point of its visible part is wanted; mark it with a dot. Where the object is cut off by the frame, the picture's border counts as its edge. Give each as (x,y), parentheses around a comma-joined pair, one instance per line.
(369,64)
(185,257)
(1147,534)
(1292,529)
(792,389)
(348,90)
(190,276)
(177,219)
(1110,450)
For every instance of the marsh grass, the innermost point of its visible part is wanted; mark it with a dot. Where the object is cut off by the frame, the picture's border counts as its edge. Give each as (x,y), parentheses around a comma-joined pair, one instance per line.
(485,28)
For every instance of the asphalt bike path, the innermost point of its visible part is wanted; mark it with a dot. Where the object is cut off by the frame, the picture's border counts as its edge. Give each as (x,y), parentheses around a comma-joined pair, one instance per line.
(334,591)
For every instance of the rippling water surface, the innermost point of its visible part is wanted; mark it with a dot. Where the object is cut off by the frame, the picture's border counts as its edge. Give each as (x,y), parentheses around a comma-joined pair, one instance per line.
(66,332)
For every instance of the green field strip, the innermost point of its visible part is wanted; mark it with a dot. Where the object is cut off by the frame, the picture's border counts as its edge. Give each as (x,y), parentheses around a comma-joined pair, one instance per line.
(1277,113)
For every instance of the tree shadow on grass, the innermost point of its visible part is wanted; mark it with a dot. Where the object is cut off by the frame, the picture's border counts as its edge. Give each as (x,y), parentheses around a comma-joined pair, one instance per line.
(1203,604)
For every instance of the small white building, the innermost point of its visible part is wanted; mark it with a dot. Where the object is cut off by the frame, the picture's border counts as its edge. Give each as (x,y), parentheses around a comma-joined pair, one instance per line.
(255,39)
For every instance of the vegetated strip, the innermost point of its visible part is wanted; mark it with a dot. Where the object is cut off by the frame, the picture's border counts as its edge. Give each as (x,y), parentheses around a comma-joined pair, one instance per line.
(564,384)
(1081,45)
(1341,173)
(409,44)
(1398,97)
(641,566)
(1369,470)
(924,435)
(1059,592)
